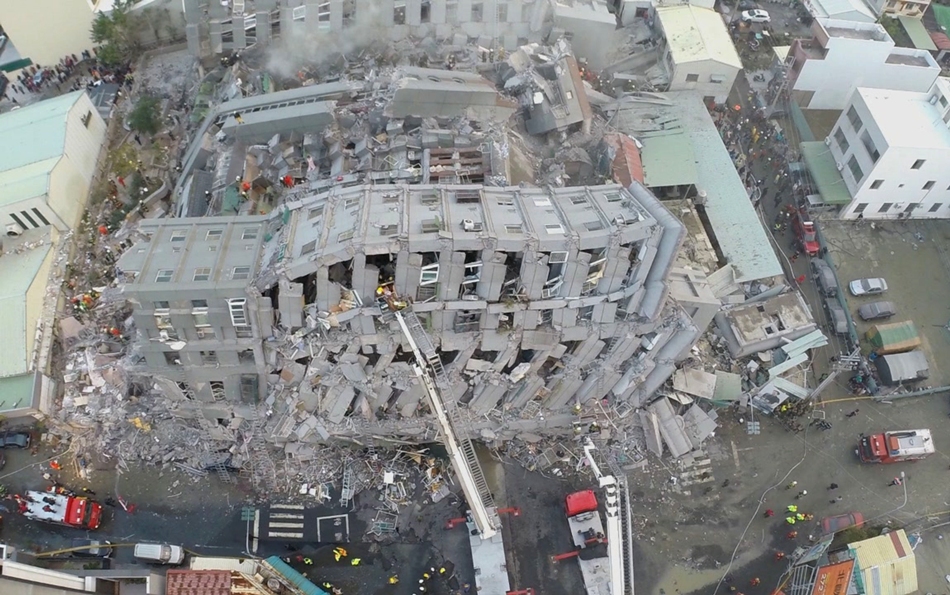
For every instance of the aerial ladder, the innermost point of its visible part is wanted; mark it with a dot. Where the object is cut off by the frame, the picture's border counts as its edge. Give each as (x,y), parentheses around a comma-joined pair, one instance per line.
(428,368)
(619,544)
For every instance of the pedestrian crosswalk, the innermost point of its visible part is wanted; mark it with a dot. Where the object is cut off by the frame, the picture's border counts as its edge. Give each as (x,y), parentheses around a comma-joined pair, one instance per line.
(284,521)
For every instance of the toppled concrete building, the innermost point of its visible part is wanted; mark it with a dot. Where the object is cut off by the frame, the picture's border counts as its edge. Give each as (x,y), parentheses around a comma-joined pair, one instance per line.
(538,301)
(767,324)
(550,89)
(408,126)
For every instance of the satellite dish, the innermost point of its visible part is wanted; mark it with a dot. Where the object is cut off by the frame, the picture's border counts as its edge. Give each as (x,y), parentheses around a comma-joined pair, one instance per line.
(176,345)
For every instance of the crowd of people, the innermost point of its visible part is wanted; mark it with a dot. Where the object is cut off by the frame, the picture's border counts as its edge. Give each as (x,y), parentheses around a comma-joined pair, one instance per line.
(72,73)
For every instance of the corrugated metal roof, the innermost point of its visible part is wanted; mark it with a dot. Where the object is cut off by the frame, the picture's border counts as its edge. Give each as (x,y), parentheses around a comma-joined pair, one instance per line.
(297,579)
(918,34)
(843,8)
(734,221)
(696,34)
(668,160)
(18,272)
(823,169)
(16,392)
(887,564)
(32,135)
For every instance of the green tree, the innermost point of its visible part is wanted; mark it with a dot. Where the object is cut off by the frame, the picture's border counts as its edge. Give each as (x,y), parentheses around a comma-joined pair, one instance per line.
(115,34)
(145,117)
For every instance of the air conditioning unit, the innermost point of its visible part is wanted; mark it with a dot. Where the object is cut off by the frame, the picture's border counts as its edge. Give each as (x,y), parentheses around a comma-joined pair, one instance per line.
(13,230)
(839,166)
(933,100)
(828,141)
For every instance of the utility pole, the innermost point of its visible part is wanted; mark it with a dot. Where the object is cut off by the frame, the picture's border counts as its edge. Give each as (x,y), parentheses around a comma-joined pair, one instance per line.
(844,363)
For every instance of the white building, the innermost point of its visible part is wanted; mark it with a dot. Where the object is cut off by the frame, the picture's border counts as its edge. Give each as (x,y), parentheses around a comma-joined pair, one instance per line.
(48,159)
(891,149)
(699,53)
(861,11)
(843,55)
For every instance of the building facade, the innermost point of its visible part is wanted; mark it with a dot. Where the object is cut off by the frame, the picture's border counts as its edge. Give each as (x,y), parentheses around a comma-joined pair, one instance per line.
(47,163)
(242,23)
(199,325)
(542,298)
(891,148)
(842,55)
(699,53)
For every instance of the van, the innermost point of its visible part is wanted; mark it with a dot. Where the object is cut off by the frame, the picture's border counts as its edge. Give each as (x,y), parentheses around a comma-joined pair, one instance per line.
(824,277)
(159,553)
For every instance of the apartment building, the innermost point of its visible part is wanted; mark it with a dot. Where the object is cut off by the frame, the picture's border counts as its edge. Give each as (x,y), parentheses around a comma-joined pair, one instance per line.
(889,150)
(531,297)
(842,55)
(199,322)
(241,23)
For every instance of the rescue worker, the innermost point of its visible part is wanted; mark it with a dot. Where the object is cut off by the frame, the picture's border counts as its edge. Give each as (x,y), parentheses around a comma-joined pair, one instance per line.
(779,556)
(441,569)
(755,582)
(394,579)
(355,562)
(791,485)
(308,561)
(769,513)
(800,517)
(339,553)
(790,520)
(791,535)
(791,508)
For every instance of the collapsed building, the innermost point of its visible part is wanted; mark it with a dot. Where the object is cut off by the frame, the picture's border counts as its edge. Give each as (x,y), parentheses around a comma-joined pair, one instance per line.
(537,303)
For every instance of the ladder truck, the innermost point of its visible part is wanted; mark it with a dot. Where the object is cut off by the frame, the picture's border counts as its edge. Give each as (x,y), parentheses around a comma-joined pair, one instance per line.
(485,538)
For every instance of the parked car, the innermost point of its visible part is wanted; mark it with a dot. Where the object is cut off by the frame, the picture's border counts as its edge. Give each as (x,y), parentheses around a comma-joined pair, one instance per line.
(877,310)
(15,440)
(840,522)
(836,316)
(870,286)
(756,16)
(95,548)
(159,553)
(824,277)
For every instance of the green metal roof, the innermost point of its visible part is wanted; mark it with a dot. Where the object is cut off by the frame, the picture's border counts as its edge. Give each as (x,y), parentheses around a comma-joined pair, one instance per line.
(823,169)
(32,135)
(16,392)
(668,160)
(918,34)
(942,14)
(17,272)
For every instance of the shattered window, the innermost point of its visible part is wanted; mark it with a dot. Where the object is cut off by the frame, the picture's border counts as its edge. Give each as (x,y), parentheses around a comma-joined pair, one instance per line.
(172,359)
(308,248)
(209,357)
(429,274)
(323,12)
(300,13)
(163,320)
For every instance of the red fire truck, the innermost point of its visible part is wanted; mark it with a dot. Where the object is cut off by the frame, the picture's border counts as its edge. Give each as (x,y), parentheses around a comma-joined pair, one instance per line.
(894,447)
(805,232)
(61,509)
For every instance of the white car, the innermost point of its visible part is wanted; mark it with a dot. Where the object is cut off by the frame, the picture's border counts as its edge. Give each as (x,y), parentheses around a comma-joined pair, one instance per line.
(868,286)
(756,16)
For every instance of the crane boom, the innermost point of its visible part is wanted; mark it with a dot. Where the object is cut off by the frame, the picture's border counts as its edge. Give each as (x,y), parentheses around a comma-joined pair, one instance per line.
(461,460)
(615,540)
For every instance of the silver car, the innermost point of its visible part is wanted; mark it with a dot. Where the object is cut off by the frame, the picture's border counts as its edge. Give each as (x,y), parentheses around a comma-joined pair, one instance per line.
(871,286)
(877,310)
